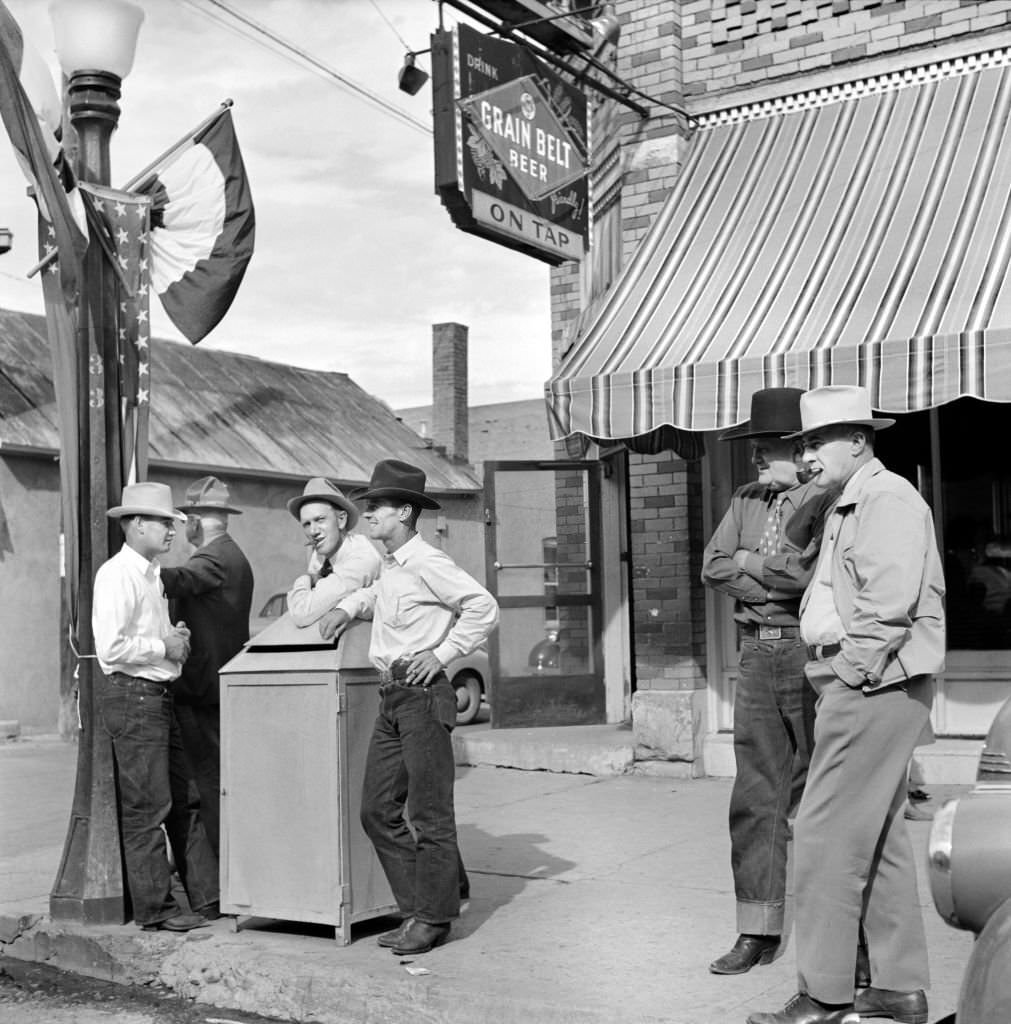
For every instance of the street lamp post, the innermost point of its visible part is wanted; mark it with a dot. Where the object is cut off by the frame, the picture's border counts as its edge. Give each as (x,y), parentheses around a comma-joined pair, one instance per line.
(95,41)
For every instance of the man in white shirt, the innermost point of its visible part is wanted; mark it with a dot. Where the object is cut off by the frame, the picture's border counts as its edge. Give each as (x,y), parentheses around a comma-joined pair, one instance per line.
(340,561)
(141,654)
(425,612)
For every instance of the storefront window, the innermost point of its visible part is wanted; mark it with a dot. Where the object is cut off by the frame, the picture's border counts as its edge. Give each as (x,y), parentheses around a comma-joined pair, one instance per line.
(975,519)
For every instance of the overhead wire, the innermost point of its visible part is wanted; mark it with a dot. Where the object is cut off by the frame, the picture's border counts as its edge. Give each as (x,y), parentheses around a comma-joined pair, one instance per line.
(251,29)
(393,28)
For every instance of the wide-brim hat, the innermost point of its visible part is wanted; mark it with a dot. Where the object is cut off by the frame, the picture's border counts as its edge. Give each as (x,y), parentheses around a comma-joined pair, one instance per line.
(321,489)
(146,499)
(399,480)
(838,404)
(208,494)
(774,412)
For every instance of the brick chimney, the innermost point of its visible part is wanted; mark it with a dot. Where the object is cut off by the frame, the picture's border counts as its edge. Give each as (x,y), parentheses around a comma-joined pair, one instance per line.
(449,390)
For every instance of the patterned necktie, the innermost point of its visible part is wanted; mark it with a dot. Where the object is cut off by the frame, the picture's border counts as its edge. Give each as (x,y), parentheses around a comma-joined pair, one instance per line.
(769,544)
(325,569)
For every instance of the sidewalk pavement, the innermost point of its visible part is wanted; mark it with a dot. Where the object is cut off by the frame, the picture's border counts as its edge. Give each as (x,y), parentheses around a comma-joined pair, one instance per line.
(595,899)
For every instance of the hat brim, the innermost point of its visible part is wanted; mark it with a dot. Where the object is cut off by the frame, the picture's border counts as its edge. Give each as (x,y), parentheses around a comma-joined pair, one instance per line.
(145,510)
(743,430)
(877,424)
(345,505)
(211,508)
(407,497)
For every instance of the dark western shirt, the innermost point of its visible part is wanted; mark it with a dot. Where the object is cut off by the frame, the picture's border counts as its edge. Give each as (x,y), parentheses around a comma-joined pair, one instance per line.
(770,592)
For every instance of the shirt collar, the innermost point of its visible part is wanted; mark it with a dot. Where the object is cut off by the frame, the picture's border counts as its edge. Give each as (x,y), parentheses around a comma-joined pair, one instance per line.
(403,554)
(150,568)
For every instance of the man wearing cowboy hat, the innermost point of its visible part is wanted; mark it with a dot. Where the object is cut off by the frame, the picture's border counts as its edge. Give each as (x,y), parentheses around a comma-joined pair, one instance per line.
(761,555)
(212,593)
(873,621)
(425,612)
(339,561)
(141,654)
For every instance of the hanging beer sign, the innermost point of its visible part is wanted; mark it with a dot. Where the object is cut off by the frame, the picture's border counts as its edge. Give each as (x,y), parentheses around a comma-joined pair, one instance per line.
(510,145)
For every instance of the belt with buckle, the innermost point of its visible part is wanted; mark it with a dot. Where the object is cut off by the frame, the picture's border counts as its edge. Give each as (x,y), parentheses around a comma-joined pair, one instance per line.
(822,652)
(763,632)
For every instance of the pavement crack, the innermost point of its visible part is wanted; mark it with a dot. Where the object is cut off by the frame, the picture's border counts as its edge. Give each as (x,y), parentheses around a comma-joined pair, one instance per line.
(518,874)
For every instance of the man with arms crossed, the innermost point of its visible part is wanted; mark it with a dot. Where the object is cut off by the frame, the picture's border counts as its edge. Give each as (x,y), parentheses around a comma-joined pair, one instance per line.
(873,620)
(425,612)
(762,554)
(141,654)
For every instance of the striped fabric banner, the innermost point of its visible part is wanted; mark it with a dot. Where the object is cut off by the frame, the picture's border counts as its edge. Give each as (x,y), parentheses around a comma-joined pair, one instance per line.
(866,241)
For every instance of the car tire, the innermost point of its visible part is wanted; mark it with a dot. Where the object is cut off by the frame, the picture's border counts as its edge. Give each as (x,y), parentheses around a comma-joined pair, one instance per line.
(468,697)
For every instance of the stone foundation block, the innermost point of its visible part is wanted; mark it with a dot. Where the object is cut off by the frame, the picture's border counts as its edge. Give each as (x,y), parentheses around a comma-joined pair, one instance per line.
(663,725)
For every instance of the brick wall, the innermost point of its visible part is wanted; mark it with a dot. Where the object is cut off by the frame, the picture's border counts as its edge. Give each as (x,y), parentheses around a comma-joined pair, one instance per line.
(729,45)
(667,597)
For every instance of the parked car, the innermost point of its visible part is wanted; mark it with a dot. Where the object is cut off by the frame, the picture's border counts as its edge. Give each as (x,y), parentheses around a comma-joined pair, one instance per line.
(470,675)
(970,877)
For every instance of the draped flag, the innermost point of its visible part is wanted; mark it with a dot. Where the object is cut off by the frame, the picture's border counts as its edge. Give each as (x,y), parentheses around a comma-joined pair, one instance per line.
(125,223)
(202,226)
(30,109)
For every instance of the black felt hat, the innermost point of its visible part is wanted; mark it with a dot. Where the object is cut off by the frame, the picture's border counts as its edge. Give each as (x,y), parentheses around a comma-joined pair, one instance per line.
(774,413)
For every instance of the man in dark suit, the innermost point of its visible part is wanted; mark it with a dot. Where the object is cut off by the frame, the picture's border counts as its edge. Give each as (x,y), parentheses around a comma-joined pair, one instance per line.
(212,594)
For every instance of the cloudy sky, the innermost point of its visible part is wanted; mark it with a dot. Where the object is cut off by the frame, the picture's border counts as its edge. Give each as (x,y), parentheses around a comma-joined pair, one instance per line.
(355,256)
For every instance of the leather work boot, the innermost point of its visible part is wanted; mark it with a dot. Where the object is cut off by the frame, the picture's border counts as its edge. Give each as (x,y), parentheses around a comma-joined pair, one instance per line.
(389,939)
(905,1007)
(420,937)
(748,952)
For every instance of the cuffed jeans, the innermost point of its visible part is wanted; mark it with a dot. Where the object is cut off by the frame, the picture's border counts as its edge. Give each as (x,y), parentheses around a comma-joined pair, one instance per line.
(773,735)
(409,772)
(152,783)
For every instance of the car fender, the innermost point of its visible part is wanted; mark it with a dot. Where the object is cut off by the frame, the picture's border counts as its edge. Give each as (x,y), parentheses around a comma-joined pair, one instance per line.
(986,988)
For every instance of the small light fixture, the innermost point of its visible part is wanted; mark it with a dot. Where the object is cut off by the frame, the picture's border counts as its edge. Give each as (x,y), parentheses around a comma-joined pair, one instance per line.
(411,77)
(6,240)
(96,35)
(606,29)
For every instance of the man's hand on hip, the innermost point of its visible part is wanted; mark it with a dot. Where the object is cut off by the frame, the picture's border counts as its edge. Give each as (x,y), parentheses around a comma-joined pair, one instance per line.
(423,668)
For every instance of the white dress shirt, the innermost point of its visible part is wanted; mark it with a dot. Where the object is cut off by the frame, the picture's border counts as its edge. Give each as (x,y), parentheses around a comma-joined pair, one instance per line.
(423,601)
(129,617)
(355,564)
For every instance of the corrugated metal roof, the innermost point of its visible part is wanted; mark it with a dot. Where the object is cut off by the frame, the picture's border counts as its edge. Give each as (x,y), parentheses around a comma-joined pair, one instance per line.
(221,410)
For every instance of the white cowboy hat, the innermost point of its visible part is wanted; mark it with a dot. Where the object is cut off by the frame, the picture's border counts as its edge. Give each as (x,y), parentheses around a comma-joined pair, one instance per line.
(146,499)
(837,403)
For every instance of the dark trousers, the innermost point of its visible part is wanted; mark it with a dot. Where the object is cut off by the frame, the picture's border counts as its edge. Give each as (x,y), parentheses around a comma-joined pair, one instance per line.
(773,736)
(854,867)
(200,731)
(409,773)
(151,785)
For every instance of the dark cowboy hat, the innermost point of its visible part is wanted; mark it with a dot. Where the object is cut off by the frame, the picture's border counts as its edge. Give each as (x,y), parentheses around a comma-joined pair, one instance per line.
(394,479)
(774,412)
(208,494)
(321,489)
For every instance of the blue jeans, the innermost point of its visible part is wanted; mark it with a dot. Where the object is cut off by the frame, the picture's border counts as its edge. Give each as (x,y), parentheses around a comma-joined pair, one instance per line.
(773,736)
(409,772)
(200,731)
(151,786)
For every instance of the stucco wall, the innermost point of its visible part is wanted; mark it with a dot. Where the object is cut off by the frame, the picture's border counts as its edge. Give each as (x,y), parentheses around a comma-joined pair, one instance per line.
(29,566)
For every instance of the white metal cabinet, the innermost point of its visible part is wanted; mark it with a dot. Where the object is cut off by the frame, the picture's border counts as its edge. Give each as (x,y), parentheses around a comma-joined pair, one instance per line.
(296,717)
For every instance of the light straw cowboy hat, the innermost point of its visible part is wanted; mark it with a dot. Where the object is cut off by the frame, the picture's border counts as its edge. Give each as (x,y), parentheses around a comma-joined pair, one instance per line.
(146,499)
(321,489)
(838,403)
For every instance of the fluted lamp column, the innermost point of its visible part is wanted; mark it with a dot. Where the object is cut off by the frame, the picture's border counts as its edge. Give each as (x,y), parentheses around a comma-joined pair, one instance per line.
(95,42)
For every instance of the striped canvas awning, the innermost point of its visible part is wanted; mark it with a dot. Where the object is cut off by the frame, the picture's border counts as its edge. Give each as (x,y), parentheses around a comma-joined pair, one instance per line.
(863,239)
